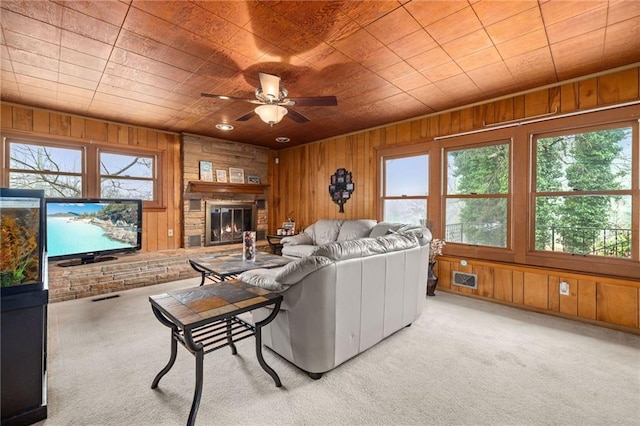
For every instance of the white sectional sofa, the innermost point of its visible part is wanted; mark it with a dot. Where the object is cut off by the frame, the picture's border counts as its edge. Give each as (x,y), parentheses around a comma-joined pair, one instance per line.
(330,230)
(344,297)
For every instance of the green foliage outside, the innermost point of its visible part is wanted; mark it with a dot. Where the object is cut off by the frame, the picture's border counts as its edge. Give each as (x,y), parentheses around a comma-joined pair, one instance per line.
(588,222)
(481,171)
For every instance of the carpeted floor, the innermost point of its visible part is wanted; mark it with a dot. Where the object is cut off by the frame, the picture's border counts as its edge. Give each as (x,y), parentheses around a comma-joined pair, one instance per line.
(463,362)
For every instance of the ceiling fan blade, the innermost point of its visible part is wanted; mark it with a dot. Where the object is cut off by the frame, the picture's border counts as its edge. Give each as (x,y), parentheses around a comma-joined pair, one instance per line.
(296,116)
(246,116)
(270,85)
(314,101)
(230,98)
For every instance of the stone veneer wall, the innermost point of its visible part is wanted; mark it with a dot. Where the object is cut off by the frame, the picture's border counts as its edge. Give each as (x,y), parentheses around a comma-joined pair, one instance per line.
(127,272)
(223,154)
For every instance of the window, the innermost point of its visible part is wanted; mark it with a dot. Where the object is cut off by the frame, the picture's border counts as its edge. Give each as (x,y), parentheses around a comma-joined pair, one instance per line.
(583,192)
(560,193)
(126,176)
(405,189)
(88,170)
(56,170)
(477,195)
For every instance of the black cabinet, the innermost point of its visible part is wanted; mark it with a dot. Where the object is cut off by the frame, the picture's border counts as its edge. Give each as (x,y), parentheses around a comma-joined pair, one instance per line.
(23,357)
(23,307)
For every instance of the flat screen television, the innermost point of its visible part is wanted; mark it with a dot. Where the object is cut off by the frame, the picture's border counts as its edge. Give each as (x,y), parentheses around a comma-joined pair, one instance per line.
(87,230)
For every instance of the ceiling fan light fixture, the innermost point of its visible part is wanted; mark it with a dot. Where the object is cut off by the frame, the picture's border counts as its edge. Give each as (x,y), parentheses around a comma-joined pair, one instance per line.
(271,113)
(225,127)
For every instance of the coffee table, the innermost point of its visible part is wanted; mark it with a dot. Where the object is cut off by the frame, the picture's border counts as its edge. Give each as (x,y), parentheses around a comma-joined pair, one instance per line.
(205,318)
(219,268)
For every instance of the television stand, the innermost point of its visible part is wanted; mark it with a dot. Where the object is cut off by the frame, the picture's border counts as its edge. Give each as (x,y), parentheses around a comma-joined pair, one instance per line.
(86,260)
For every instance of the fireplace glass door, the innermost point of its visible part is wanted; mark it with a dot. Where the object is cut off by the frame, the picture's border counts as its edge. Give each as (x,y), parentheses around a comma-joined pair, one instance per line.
(225,224)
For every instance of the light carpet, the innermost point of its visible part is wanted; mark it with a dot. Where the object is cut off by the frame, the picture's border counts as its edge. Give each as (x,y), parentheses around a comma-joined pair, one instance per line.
(463,362)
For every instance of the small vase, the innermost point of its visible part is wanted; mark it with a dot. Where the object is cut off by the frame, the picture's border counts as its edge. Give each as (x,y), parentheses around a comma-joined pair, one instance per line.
(249,246)
(432,280)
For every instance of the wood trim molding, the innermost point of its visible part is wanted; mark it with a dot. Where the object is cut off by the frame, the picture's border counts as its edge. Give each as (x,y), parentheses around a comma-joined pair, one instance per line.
(227,188)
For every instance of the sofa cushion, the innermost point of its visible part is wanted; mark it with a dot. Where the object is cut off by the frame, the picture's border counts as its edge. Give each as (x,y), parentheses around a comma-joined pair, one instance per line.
(365,247)
(382,228)
(302,250)
(350,249)
(294,240)
(294,272)
(396,242)
(326,231)
(358,228)
(279,279)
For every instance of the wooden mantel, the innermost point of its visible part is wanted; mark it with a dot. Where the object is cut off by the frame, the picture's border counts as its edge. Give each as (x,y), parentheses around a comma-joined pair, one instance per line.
(227,188)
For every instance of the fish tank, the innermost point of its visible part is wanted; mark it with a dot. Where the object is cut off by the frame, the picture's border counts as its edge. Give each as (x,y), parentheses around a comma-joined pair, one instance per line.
(22,240)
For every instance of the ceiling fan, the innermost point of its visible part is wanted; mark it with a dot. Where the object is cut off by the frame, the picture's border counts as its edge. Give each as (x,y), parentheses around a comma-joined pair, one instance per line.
(272,100)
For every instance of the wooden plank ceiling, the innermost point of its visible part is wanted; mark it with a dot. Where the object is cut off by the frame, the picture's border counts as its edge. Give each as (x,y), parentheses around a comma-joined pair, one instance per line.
(146,62)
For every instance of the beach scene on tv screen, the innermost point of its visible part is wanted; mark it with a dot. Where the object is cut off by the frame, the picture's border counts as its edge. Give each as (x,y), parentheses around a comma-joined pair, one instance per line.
(74,228)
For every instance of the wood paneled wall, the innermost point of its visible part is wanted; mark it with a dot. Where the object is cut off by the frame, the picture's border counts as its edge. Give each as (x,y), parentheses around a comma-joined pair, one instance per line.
(301,180)
(18,120)
(612,301)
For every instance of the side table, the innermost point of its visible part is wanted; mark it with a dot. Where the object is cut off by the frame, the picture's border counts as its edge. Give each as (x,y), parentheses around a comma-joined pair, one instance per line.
(275,244)
(204,319)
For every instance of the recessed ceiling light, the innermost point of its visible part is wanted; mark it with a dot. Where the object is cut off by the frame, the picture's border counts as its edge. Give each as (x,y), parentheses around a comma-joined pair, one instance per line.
(282,139)
(224,127)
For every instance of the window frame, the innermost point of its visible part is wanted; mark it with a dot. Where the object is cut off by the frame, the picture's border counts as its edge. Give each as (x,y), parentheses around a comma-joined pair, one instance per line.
(390,153)
(41,143)
(508,254)
(612,266)
(91,171)
(520,217)
(471,196)
(155,169)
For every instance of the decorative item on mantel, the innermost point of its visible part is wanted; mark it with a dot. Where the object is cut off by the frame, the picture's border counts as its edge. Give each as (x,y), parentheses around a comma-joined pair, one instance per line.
(206,171)
(249,246)
(221,176)
(341,187)
(236,175)
(435,249)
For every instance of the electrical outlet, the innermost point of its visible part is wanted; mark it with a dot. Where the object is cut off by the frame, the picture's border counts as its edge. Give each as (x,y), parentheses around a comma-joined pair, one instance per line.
(564,288)
(170,232)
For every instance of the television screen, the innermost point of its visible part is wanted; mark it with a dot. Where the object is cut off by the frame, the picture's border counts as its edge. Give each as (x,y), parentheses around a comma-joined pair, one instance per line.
(91,229)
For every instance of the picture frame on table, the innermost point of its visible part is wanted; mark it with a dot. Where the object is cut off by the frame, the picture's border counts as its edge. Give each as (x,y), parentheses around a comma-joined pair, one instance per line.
(206,171)
(253,179)
(236,175)
(221,175)
(289,228)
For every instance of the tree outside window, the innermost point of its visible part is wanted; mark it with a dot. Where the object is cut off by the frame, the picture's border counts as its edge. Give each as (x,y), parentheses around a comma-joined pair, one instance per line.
(58,171)
(126,176)
(583,197)
(63,170)
(477,195)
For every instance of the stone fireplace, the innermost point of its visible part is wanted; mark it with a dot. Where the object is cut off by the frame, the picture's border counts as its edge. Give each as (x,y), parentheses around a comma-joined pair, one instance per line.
(216,213)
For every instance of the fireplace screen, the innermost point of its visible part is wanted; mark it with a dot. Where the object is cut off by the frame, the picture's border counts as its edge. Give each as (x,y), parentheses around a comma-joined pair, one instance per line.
(225,223)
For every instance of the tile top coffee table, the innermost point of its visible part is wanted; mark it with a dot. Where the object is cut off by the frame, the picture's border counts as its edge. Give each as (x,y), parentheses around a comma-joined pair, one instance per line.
(205,318)
(219,268)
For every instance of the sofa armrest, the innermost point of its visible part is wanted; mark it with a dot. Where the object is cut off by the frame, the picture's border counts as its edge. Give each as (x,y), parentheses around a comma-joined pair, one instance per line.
(294,240)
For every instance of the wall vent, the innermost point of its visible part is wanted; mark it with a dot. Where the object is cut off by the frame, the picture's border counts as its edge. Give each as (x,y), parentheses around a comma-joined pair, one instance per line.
(194,205)
(464,279)
(195,241)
